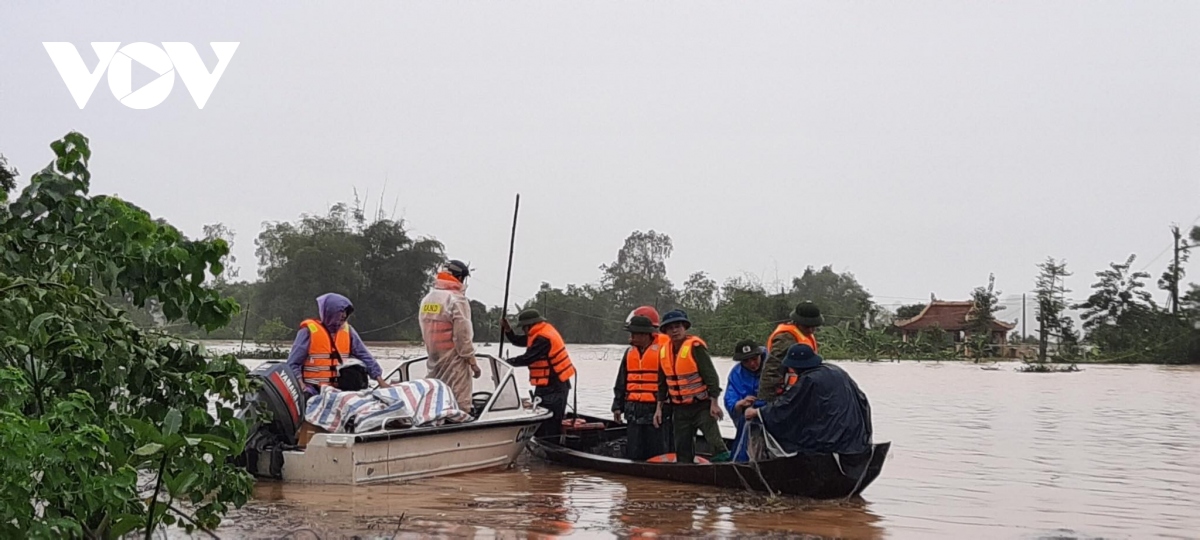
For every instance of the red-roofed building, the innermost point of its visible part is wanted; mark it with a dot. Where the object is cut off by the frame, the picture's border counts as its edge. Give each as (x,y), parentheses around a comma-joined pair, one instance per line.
(953,318)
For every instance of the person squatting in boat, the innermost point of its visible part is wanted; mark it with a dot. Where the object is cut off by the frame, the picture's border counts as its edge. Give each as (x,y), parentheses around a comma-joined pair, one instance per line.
(819,408)
(743,391)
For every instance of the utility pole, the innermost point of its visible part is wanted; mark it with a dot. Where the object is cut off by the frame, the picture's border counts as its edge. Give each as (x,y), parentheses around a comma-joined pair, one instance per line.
(1175,273)
(1023,334)
(783,307)
(245,323)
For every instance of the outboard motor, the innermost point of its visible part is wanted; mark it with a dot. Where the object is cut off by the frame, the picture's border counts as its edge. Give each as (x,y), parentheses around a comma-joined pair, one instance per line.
(274,414)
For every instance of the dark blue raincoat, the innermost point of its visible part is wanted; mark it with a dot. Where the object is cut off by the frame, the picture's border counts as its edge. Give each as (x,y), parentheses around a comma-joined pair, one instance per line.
(824,412)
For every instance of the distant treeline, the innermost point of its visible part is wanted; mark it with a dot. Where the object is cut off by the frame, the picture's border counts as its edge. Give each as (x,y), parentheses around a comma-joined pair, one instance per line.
(385,271)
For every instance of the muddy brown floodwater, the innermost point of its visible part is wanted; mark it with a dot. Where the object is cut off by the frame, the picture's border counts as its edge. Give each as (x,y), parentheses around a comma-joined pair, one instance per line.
(1109,452)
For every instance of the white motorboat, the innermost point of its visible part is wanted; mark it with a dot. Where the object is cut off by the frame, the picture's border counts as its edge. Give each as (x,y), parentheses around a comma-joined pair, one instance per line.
(502,426)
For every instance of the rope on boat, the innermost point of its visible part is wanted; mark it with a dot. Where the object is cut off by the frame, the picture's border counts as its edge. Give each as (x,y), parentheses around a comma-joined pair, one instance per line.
(737,466)
(866,468)
(753,461)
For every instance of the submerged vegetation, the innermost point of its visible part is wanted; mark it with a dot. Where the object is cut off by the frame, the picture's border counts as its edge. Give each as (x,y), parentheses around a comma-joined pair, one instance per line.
(1043,367)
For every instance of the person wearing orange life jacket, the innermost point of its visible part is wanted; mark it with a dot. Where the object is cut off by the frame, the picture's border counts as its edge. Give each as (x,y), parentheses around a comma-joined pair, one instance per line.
(636,391)
(661,340)
(550,367)
(688,380)
(801,328)
(445,317)
(325,350)
(652,314)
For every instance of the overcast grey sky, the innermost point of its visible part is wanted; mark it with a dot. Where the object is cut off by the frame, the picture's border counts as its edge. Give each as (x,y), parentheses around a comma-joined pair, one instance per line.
(919,145)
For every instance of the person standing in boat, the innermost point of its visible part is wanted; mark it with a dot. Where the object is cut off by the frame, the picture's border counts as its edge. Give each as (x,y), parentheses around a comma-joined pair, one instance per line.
(550,367)
(668,427)
(800,328)
(635,393)
(446,329)
(820,411)
(743,390)
(688,380)
(323,350)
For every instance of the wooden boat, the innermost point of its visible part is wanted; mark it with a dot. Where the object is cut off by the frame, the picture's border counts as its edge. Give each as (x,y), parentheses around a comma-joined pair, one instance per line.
(284,450)
(824,476)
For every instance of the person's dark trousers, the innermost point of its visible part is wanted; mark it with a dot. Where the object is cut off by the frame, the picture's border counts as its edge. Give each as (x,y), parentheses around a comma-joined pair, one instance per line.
(644,442)
(688,419)
(668,429)
(557,403)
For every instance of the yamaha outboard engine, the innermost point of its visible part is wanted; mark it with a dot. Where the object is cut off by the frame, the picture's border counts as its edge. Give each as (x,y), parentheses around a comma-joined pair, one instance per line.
(274,415)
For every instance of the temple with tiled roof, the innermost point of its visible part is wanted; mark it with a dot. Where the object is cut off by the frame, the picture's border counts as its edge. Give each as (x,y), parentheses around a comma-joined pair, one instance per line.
(953,318)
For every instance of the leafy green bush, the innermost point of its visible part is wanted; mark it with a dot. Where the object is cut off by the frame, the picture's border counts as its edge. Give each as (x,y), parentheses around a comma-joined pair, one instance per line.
(89,403)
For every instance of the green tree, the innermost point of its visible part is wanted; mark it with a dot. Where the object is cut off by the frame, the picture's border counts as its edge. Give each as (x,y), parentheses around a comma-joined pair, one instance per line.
(1050,294)
(273,331)
(839,295)
(909,311)
(341,252)
(1119,293)
(982,318)
(8,179)
(699,294)
(639,275)
(485,322)
(744,310)
(582,314)
(88,400)
(218,231)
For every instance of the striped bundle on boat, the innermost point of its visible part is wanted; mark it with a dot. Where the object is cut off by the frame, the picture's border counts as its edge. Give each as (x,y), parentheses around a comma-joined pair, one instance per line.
(416,403)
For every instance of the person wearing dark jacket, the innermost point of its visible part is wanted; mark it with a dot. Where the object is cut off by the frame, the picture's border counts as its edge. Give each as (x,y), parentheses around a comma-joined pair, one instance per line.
(636,390)
(821,410)
(550,367)
(688,380)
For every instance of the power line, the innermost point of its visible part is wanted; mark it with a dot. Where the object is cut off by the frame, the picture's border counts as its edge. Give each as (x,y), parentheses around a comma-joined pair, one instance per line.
(1168,248)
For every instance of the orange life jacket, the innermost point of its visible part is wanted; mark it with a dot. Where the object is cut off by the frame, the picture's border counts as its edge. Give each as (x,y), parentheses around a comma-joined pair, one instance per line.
(684,383)
(558,362)
(437,323)
(320,368)
(671,458)
(641,373)
(790,328)
(789,380)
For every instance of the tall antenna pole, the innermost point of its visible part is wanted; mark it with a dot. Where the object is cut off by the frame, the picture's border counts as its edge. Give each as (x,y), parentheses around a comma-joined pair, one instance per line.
(508,274)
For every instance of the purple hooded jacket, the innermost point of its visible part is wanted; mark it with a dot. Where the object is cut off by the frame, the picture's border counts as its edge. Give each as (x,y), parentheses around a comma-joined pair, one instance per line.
(329,305)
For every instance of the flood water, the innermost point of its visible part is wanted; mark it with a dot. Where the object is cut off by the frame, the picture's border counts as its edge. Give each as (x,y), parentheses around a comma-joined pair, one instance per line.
(1109,452)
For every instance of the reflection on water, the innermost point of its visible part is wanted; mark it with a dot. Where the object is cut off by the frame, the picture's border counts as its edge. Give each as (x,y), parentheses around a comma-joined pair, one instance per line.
(1108,452)
(541,499)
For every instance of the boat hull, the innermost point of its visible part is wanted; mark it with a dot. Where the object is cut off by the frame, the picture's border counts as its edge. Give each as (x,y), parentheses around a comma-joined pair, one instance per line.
(401,455)
(822,476)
